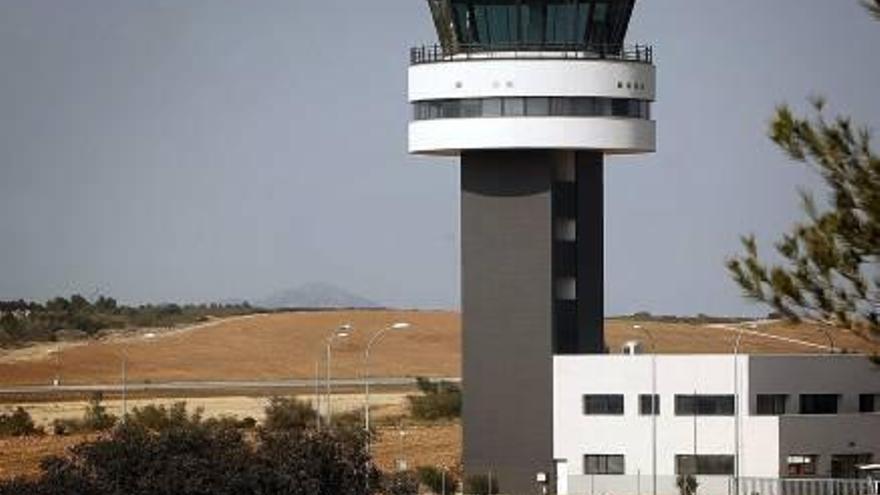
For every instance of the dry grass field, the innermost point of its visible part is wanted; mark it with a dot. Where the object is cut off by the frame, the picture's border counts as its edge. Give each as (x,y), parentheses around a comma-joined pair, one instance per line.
(287,345)
(261,347)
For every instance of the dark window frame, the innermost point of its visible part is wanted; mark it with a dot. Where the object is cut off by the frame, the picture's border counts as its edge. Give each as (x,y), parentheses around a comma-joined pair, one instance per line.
(802,469)
(771,404)
(816,404)
(603,466)
(603,404)
(645,404)
(869,403)
(704,464)
(705,405)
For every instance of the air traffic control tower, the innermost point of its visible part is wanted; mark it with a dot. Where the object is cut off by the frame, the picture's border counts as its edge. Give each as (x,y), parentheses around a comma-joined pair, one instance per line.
(531,95)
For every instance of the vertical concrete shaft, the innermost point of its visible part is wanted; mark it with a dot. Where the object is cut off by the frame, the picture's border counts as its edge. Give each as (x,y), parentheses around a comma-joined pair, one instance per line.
(513,321)
(507,278)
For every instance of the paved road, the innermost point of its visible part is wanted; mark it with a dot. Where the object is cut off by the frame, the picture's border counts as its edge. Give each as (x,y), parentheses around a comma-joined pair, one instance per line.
(210,385)
(749,328)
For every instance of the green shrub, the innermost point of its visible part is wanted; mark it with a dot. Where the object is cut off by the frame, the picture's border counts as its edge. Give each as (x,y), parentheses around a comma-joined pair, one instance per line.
(433,478)
(160,418)
(439,400)
(288,413)
(95,418)
(18,423)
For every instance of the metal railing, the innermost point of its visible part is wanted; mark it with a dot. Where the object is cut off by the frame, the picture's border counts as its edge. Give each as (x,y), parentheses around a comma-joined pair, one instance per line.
(428,54)
(719,485)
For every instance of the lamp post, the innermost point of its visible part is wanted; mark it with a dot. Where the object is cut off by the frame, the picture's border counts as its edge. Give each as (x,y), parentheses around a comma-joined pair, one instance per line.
(654,407)
(373,340)
(124,356)
(56,353)
(736,409)
(339,333)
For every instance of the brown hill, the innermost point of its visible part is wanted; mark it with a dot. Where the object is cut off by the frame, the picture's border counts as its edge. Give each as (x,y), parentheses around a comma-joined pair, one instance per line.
(287,345)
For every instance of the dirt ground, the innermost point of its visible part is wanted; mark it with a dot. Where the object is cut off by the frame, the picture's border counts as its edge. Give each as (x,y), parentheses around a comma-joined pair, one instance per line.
(288,345)
(44,413)
(20,457)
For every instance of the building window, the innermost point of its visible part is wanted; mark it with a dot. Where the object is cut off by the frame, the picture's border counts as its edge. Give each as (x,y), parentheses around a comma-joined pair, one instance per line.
(531,106)
(771,404)
(604,464)
(645,405)
(819,403)
(869,403)
(802,465)
(603,404)
(704,405)
(847,465)
(704,464)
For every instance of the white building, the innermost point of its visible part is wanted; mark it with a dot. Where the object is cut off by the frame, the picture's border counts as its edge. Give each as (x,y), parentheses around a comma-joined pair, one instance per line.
(800,416)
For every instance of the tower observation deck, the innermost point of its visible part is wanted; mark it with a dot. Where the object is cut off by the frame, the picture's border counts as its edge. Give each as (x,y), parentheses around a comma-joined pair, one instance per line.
(531,95)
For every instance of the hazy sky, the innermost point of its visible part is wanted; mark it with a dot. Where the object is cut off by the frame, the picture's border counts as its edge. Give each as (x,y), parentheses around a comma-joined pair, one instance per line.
(210,149)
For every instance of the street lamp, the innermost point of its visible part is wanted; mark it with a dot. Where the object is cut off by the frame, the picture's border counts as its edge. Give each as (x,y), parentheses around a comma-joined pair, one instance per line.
(373,340)
(56,353)
(124,356)
(654,407)
(338,333)
(736,408)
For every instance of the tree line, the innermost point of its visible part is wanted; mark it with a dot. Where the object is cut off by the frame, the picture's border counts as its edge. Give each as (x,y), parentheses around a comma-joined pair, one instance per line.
(22,321)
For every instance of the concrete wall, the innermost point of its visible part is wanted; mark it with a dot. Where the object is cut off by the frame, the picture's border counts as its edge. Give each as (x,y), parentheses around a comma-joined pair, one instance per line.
(848,432)
(506,235)
(826,436)
(848,375)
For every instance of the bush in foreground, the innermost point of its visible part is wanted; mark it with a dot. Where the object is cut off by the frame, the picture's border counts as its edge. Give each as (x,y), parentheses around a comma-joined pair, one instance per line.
(95,418)
(170,452)
(18,423)
(439,400)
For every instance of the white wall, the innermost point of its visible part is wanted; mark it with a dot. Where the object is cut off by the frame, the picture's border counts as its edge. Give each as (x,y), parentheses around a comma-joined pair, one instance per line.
(609,134)
(481,79)
(576,435)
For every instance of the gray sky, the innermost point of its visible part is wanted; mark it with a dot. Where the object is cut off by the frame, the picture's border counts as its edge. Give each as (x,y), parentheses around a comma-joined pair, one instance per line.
(210,149)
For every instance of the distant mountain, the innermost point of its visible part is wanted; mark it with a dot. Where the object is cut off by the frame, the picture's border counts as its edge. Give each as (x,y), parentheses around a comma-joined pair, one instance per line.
(315,295)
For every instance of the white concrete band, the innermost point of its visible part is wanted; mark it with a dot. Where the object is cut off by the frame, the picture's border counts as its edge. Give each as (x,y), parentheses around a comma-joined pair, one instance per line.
(612,135)
(572,78)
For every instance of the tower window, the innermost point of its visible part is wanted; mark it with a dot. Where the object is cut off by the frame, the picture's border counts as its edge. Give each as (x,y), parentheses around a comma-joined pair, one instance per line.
(532,106)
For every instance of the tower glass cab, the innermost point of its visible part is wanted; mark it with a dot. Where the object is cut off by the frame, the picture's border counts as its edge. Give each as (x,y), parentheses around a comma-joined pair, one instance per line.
(531,25)
(531,96)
